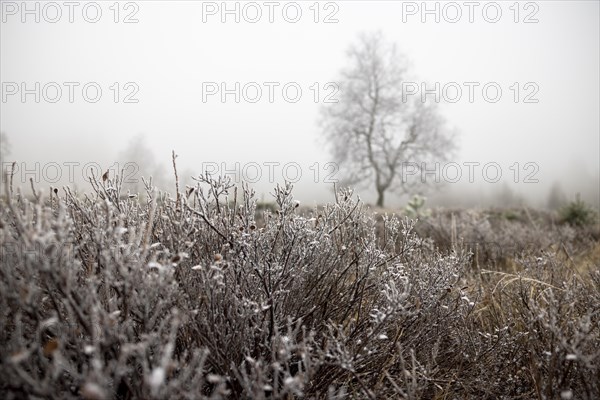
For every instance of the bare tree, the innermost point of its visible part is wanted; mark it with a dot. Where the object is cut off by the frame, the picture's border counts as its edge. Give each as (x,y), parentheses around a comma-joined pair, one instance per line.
(138,160)
(4,153)
(4,147)
(556,196)
(378,133)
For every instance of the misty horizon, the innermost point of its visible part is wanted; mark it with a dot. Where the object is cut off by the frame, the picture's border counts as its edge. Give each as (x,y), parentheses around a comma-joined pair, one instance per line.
(192,86)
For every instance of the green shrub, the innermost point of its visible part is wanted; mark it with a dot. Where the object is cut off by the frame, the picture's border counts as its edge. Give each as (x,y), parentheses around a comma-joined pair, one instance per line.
(578,213)
(416,208)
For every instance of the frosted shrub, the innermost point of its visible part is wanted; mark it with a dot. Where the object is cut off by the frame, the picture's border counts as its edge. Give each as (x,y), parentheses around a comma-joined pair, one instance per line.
(201,296)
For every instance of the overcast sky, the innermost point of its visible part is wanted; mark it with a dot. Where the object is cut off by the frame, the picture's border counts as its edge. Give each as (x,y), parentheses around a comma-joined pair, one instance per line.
(175,50)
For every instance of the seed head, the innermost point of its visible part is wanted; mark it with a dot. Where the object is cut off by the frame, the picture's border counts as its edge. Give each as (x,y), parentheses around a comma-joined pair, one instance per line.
(50,347)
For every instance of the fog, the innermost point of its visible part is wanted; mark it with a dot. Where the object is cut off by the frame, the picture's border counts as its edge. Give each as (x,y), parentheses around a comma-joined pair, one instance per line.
(162,67)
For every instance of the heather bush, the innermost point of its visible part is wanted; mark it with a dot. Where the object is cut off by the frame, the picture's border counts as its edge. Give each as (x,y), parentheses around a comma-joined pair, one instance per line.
(106,295)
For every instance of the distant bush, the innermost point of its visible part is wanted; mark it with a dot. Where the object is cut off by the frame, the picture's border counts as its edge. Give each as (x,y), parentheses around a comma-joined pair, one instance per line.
(578,213)
(496,237)
(110,297)
(415,208)
(266,206)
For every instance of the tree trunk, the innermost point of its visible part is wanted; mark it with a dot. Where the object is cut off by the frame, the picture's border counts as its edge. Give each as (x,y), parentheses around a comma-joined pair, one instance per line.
(380,197)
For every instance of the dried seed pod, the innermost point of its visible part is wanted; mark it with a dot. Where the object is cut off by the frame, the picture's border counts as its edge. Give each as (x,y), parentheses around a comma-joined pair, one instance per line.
(50,347)
(92,391)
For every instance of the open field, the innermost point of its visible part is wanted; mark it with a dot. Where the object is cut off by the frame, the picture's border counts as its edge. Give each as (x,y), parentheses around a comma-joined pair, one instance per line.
(297,200)
(203,296)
